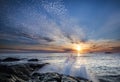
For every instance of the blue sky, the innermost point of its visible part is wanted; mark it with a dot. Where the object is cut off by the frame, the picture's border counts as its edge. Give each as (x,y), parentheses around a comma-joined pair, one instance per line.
(96,15)
(58,22)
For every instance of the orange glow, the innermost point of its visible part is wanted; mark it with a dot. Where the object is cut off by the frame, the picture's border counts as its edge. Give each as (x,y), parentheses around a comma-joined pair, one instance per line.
(78,48)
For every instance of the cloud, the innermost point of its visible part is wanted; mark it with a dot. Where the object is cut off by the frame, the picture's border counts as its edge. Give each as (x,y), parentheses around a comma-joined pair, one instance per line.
(43,22)
(69,27)
(111,27)
(116,48)
(55,7)
(103,45)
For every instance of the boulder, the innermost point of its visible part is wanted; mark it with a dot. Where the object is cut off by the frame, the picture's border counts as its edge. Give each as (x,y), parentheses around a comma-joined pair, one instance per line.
(33,60)
(17,73)
(28,73)
(46,77)
(9,59)
(68,79)
(54,77)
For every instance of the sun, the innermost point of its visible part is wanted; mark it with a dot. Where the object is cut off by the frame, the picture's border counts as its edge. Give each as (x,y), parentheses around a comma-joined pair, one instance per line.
(78,47)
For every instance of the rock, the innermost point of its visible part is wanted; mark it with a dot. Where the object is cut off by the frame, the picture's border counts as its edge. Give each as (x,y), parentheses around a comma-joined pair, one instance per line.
(17,73)
(9,59)
(108,52)
(33,60)
(27,73)
(54,77)
(102,80)
(68,79)
(37,66)
(46,77)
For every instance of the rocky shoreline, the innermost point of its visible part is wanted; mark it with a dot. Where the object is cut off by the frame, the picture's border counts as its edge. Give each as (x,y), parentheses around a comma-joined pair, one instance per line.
(55,77)
(28,73)
(18,73)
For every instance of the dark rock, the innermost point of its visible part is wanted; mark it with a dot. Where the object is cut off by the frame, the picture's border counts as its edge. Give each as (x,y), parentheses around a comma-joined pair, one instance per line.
(9,59)
(55,77)
(102,80)
(17,73)
(37,66)
(108,52)
(109,78)
(46,77)
(33,60)
(68,79)
(26,73)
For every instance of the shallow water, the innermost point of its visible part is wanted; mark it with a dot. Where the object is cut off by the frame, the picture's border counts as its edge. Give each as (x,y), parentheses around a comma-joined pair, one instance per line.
(104,66)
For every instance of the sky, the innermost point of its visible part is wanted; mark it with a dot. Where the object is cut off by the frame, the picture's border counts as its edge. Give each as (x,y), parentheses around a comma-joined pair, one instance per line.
(59,25)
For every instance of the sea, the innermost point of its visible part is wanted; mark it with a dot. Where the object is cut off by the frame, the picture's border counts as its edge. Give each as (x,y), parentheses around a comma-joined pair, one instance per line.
(105,67)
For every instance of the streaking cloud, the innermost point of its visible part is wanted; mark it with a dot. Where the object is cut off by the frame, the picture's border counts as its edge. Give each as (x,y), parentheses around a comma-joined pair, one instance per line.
(42,23)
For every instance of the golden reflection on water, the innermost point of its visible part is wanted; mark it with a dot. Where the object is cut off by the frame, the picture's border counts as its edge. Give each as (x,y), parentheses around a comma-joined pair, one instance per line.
(80,60)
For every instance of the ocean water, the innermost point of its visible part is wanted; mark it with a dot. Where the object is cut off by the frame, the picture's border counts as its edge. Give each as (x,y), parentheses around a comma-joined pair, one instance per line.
(105,67)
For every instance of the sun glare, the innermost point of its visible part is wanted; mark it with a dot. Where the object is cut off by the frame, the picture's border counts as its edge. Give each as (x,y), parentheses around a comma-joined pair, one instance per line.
(78,47)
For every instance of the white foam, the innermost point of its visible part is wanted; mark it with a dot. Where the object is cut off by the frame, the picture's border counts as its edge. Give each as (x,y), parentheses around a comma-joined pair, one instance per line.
(68,67)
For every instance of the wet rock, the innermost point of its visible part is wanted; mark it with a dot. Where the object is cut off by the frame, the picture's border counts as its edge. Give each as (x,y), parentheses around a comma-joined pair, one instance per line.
(9,59)
(17,73)
(108,52)
(37,66)
(109,78)
(33,60)
(45,77)
(68,79)
(54,77)
(28,73)
(102,80)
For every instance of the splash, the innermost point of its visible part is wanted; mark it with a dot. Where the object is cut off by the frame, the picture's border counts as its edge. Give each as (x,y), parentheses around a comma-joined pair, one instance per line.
(72,65)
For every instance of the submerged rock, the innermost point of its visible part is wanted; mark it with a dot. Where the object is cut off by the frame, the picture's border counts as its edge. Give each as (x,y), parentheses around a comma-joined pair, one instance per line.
(9,59)
(108,52)
(33,60)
